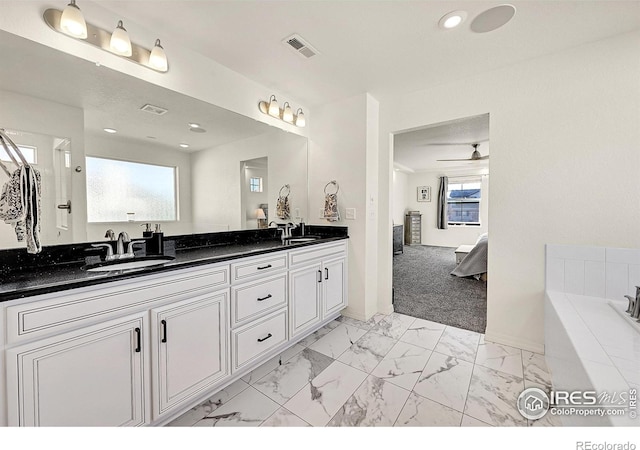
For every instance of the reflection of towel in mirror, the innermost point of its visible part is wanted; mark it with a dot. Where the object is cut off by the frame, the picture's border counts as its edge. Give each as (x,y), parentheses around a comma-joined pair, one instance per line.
(283,209)
(331,212)
(20,206)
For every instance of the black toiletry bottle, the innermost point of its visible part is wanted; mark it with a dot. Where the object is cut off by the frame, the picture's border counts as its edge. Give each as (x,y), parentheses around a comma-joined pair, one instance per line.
(147,233)
(157,241)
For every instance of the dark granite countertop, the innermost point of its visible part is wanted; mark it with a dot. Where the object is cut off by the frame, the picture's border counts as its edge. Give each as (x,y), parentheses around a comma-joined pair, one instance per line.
(62,275)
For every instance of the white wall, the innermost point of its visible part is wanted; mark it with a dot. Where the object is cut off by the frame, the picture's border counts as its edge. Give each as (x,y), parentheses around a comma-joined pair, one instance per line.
(135,151)
(45,118)
(400,196)
(454,235)
(216,179)
(564,165)
(344,148)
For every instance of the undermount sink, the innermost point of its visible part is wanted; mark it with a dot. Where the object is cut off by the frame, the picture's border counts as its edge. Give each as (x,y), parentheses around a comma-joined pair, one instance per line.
(127,264)
(302,239)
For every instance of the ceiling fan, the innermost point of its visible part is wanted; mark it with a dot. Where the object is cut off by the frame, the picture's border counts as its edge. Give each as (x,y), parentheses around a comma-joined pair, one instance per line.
(475,156)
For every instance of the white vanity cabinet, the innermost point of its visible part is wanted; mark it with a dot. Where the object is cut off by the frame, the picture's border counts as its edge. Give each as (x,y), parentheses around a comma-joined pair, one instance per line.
(317,285)
(188,342)
(143,350)
(95,376)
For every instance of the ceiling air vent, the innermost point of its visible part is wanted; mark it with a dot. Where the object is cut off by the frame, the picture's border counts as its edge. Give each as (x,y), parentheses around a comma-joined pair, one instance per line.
(300,46)
(157,110)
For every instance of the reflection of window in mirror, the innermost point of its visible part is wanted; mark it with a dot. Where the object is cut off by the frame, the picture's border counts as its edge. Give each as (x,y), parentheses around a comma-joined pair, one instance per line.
(115,188)
(255,184)
(29,153)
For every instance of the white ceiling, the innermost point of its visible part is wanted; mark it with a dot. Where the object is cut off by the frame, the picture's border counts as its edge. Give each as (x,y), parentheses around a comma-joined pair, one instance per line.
(381,47)
(420,150)
(112,100)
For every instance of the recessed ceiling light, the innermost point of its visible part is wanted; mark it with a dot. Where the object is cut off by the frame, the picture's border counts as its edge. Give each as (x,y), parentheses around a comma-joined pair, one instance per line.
(184,145)
(110,130)
(493,18)
(194,125)
(452,19)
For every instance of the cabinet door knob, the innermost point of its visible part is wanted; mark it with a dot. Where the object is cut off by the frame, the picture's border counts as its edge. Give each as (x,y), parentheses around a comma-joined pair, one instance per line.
(265,338)
(264,298)
(138,340)
(164,330)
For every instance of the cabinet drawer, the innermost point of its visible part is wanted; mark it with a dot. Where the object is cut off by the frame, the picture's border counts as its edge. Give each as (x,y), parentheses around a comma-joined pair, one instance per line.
(258,338)
(302,257)
(55,313)
(255,298)
(249,269)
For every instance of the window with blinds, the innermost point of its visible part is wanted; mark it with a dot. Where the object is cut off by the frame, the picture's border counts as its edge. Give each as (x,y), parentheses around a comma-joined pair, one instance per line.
(463,201)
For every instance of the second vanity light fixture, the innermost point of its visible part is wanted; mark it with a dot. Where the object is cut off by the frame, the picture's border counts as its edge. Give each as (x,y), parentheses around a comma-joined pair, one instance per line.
(71,22)
(286,113)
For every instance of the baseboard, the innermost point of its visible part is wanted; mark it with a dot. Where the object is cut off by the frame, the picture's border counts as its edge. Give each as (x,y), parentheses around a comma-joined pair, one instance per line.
(353,315)
(512,341)
(386,311)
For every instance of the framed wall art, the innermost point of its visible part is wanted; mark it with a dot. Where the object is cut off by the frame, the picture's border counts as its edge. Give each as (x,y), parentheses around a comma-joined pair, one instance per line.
(424,193)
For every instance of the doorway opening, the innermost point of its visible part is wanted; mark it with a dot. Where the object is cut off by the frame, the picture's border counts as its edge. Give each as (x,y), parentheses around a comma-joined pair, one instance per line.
(440,200)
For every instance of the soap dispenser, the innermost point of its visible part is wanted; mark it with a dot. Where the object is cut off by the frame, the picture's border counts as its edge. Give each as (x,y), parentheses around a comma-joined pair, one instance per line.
(157,240)
(147,233)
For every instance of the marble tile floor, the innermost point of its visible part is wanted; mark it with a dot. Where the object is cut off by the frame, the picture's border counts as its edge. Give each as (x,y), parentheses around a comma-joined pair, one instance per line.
(393,370)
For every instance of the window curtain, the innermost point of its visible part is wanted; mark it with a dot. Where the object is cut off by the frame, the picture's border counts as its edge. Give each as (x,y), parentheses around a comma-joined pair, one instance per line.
(442,204)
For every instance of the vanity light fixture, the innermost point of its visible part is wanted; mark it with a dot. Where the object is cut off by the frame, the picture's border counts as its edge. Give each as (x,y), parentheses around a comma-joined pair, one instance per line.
(452,19)
(158,58)
(120,42)
(71,22)
(300,120)
(285,114)
(274,109)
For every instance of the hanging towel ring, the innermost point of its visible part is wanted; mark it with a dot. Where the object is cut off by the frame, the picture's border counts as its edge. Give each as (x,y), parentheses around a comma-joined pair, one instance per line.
(288,188)
(332,182)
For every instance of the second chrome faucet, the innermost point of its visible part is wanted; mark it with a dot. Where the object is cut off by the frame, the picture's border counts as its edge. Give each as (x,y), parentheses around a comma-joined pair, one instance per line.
(123,238)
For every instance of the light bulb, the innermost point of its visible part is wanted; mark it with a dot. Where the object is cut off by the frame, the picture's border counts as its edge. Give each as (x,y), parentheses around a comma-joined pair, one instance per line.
(300,121)
(158,58)
(72,21)
(287,114)
(273,110)
(120,42)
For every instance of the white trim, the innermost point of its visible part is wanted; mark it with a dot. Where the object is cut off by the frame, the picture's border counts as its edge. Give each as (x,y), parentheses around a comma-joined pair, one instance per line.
(512,341)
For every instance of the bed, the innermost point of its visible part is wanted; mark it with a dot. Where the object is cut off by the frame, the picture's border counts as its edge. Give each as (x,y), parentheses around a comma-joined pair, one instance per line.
(475,263)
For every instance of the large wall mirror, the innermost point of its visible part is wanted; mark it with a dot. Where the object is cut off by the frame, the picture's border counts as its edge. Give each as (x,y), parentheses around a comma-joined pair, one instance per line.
(189,165)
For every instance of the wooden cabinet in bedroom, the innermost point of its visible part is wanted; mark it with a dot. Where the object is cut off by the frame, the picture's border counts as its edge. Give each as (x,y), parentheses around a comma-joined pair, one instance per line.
(413,228)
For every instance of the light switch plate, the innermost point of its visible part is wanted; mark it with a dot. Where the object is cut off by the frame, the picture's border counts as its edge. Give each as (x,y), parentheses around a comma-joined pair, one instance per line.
(351,213)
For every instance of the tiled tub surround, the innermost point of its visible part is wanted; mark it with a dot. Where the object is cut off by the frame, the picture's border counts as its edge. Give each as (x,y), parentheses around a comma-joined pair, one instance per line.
(147,346)
(588,344)
(59,267)
(352,373)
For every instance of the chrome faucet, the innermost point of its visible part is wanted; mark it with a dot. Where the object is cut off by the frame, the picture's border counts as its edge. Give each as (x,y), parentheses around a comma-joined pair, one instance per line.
(287,229)
(110,234)
(123,238)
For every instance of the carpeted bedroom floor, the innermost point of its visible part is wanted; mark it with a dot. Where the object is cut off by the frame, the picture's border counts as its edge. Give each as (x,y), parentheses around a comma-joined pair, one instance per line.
(424,288)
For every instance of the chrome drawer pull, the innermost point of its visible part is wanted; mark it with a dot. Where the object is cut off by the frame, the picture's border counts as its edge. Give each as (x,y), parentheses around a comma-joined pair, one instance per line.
(268,266)
(264,298)
(265,338)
